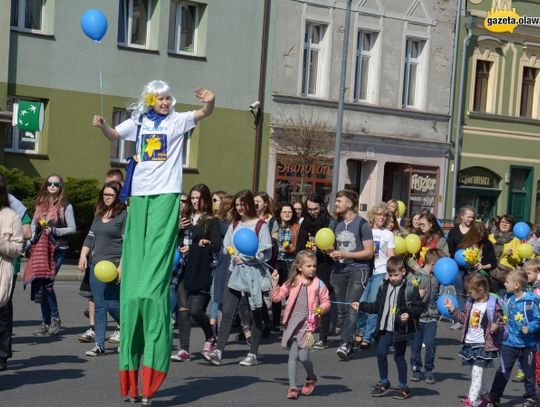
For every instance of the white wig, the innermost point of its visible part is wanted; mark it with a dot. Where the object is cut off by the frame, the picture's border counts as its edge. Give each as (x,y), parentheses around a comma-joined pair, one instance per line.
(152,88)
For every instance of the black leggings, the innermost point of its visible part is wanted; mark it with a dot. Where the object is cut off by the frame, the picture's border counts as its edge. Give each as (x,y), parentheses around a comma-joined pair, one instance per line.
(196,302)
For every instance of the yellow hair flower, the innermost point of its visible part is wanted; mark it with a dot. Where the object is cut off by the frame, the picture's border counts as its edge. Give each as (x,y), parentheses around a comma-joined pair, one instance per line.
(415,282)
(318,310)
(230,250)
(393,310)
(519,317)
(150,99)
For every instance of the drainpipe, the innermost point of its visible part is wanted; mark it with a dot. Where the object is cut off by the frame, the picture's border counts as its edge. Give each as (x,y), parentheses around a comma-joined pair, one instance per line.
(469,24)
(451,105)
(339,125)
(259,118)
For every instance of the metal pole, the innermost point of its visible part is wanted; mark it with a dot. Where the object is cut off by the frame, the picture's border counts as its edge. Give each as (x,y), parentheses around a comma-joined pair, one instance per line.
(339,125)
(459,119)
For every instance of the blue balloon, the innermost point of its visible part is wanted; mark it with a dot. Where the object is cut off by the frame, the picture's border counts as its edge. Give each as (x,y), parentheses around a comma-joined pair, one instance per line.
(442,309)
(521,230)
(177,258)
(446,270)
(246,242)
(459,257)
(94,24)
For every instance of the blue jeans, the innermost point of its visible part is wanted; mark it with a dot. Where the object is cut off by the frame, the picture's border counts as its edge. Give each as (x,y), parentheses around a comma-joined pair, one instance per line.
(106,298)
(426,334)
(49,305)
(366,323)
(386,340)
(348,286)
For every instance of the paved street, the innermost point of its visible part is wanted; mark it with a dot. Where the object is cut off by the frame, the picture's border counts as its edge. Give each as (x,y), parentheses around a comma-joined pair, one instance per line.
(55,372)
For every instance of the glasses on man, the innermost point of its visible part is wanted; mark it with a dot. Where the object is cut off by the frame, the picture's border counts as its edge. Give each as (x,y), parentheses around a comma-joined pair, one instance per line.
(53,184)
(109,195)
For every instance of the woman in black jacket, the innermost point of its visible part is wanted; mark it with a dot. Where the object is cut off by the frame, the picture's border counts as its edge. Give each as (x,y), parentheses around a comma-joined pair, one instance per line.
(201,243)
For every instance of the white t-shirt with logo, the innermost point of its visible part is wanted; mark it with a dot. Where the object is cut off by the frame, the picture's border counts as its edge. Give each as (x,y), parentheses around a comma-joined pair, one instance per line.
(475,332)
(159,151)
(383,240)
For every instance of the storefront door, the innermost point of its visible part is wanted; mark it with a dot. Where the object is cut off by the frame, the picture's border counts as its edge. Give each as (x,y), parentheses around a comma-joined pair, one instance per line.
(519,194)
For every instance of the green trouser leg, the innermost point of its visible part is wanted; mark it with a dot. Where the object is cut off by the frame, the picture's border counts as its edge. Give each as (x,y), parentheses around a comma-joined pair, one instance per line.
(149,243)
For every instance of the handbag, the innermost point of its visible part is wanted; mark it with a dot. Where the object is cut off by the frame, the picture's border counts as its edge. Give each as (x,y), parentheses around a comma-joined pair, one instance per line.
(499,273)
(125,193)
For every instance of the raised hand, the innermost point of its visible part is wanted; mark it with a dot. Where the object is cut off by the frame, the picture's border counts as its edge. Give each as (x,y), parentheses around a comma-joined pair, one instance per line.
(204,95)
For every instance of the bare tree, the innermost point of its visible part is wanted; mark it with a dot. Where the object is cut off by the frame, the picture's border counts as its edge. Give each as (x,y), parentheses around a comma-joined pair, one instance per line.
(304,142)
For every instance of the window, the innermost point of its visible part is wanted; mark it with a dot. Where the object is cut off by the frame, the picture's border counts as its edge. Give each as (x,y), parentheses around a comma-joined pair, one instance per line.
(134,23)
(481,85)
(312,65)
(20,141)
(527,91)
(121,149)
(184,27)
(27,14)
(412,72)
(364,64)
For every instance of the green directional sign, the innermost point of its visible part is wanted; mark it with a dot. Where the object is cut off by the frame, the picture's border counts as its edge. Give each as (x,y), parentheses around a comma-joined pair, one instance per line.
(29,115)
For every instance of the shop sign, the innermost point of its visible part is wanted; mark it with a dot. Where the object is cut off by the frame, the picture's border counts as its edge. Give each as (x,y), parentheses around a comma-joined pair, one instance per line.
(478,177)
(423,191)
(313,170)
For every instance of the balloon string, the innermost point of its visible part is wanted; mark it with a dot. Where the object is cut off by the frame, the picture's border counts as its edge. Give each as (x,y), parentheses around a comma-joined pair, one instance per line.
(100,79)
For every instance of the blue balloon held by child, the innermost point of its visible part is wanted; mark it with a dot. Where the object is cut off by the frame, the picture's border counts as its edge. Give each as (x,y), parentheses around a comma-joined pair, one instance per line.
(446,270)
(246,242)
(442,308)
(521,230)
(177,258)
(459,257)
(94,24)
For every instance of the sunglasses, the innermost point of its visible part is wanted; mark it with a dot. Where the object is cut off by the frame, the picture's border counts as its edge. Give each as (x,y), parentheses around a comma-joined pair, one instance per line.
(53,184)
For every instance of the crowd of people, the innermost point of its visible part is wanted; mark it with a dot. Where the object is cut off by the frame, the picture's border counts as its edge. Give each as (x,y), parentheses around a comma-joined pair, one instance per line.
(177,262)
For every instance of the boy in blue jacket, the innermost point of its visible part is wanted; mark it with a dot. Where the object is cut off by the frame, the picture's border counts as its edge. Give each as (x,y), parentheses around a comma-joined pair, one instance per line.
(520,340)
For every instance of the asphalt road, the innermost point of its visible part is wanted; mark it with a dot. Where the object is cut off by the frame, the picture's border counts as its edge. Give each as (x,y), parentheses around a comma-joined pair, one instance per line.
(53,371)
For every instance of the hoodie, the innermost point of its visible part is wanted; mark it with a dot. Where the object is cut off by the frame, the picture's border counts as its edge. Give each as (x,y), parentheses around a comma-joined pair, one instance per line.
(522,312)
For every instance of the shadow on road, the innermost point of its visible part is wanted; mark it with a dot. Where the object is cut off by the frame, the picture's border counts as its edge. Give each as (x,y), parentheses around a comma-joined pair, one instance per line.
(29,377)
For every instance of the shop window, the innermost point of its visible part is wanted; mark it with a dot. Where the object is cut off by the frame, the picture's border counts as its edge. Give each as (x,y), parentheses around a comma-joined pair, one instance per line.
(481,85)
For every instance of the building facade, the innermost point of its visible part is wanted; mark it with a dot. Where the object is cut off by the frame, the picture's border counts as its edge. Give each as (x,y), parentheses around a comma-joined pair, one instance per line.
(45,56)
(395,128)
(499,166)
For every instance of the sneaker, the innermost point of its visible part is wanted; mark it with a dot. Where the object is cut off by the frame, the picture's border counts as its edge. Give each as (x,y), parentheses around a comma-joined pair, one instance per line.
(309,386)
(529,403)
(380,389)
(209,346)
(54,328)
(415,375)
(213,357)
(146,401)
(519,377)
(430,378)
(249,360)
(456,326)
(43,330)
(321,345)
(115,337)
(344,351)
(88,337)
(292,394)
(95,351)
(403,394)
(181,356)
(485,400)
(494,399)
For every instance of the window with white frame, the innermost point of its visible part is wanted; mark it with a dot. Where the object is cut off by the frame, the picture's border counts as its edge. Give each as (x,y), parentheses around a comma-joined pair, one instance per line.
(364,65)
(412,72)
(184,27)
(27,14)
(313,58)
(134,23)
(529,104)
(20,141)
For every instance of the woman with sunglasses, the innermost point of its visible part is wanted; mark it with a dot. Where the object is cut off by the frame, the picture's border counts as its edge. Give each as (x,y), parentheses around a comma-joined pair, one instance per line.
(431,237)
(193,291)
(104,242)
(54,219)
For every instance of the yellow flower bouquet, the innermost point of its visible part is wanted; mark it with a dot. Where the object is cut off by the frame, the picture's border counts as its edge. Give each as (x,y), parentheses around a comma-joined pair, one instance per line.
(472,255)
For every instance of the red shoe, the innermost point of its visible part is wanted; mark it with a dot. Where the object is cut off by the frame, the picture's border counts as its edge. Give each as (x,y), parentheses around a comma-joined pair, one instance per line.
(292,394)
(309,386)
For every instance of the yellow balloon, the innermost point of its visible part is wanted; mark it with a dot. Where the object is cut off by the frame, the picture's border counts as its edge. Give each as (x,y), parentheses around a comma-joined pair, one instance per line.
(401,208)
(105,271)
(325,239)
(401,246)
(413,243)
(525,251)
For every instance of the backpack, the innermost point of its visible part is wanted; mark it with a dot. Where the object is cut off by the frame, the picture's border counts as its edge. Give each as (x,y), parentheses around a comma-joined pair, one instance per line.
(501,334)
(273,260)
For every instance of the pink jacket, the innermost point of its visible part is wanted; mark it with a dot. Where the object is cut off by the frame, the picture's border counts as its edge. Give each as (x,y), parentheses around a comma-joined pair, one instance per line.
(316,291)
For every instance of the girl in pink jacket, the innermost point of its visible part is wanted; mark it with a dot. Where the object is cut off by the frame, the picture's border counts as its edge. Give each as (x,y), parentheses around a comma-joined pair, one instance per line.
(308,299)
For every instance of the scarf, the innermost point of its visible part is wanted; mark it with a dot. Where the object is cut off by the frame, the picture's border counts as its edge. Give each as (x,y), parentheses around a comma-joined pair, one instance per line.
(155,117)
(312,226)
(500,240)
